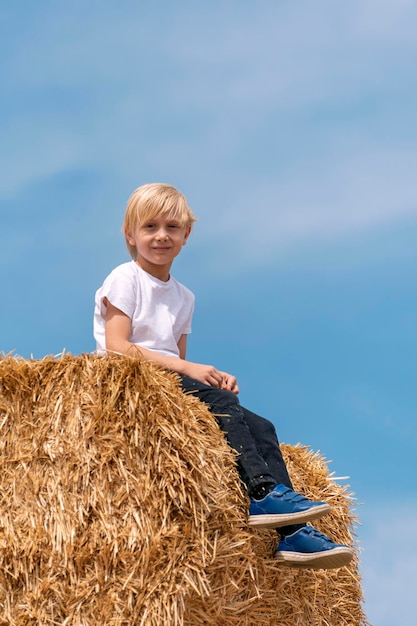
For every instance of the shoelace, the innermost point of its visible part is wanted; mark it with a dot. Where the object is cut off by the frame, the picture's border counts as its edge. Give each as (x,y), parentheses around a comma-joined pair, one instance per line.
(289,494)
(316,533)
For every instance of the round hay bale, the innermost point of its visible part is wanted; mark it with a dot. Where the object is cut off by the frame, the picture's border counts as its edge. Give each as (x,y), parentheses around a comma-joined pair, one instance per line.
(120,504)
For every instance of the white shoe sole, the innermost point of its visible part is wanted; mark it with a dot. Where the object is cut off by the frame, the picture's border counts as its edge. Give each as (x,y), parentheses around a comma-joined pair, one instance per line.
(329,559)
(285,519)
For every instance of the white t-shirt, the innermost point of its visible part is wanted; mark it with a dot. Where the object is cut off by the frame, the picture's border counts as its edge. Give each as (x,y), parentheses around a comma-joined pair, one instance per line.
(160,311)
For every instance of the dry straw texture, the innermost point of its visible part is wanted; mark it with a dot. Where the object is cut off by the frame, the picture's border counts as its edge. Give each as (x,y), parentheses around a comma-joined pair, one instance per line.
(120,504)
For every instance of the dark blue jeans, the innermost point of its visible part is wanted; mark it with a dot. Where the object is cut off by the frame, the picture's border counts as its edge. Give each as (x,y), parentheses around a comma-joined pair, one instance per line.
(253,437)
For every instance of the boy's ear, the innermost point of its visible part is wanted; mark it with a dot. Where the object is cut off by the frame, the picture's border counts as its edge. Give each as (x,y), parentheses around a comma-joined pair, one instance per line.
(186,235)
(129,237)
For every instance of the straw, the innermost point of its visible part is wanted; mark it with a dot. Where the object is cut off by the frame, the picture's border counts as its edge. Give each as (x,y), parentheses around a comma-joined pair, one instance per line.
(120,504)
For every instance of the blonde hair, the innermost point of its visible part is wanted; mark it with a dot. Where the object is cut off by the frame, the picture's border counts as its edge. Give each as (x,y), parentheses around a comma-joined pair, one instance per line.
(150,201)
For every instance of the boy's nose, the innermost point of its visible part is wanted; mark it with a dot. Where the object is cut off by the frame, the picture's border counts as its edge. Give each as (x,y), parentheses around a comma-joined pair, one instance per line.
(162,234)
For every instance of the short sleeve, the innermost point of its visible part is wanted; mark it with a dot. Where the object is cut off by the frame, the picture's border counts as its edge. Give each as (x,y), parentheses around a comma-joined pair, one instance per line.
(120,289)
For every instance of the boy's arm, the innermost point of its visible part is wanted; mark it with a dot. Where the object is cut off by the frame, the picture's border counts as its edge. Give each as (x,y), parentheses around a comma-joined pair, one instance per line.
(118,330)
(228,381)
(182,346)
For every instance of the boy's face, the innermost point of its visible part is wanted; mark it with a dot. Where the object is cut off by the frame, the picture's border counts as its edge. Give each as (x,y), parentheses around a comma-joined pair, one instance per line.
(158,242)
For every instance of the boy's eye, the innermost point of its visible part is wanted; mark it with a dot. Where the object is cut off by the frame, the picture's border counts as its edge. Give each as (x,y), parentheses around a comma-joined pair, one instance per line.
(153,226)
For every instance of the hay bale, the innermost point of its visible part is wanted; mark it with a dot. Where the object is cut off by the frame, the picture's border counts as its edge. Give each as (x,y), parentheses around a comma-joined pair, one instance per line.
(120,505)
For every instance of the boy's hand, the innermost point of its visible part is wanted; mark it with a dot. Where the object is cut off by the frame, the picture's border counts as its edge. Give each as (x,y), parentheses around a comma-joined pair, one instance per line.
(229,382)
(211,376)
(206,374)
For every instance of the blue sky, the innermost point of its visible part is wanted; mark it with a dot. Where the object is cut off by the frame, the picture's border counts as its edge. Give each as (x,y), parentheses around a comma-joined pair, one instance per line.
(291,129)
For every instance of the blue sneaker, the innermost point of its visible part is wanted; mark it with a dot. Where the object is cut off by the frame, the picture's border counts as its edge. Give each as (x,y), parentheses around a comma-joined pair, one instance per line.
(307,547)
(283,506)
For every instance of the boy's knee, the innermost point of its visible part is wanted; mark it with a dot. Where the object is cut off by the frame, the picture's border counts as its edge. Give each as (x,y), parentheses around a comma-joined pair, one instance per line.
(221,399)
(228,397)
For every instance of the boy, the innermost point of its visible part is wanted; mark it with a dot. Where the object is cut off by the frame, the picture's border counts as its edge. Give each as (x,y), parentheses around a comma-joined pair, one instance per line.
(141,309)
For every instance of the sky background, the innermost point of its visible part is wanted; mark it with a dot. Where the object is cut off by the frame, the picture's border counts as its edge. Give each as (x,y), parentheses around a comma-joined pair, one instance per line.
(291,127)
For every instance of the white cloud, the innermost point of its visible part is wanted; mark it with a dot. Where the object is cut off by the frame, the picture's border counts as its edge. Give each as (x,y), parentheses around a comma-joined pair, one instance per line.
(323,201)
(36,151)
(384,19)
(140,93)
(278,56)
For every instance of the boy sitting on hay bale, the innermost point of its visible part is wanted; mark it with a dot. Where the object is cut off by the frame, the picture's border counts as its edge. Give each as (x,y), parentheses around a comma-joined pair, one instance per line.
(141,309)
